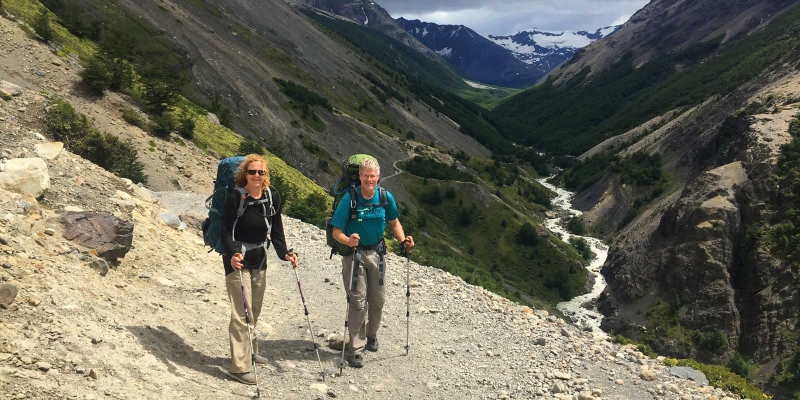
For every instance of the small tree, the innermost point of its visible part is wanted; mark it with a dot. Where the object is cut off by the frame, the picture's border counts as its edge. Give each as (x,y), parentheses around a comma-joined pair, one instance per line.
(527,235)
(42,24)
(250,146)
(97,74)
(186,128)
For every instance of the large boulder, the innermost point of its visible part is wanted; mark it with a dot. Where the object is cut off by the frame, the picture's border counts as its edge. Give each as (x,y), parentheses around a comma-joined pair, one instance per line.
(212,118)
(25,175)
(110,236)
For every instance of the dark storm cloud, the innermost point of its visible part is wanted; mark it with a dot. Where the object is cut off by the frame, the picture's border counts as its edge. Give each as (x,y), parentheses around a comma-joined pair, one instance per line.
(511,16)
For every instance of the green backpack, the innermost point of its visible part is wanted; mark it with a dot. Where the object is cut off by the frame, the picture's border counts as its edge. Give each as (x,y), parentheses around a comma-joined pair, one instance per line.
(348,183)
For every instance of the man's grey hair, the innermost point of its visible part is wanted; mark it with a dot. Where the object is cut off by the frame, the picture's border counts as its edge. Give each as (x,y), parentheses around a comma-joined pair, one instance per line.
(370,163)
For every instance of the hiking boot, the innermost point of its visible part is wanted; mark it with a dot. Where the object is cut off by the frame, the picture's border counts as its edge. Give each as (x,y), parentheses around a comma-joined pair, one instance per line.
(248,378)
(355,361)
(261,360)
(372,344)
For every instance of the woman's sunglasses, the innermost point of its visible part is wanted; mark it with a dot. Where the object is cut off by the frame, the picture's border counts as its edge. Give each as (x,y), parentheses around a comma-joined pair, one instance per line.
(260,172)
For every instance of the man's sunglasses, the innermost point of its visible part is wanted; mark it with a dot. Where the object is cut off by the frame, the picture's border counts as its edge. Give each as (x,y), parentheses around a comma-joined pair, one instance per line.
(260,172)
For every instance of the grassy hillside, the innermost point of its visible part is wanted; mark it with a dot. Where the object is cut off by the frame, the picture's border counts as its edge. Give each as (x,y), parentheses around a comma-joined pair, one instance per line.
(573,117)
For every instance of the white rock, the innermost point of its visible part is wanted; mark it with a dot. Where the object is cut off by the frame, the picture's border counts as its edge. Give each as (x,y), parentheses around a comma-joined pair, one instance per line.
(122,195)
(49,151)
(25,175)
(319,387)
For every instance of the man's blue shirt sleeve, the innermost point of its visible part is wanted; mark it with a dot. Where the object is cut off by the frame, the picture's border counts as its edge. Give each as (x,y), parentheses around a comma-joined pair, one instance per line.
(342,212)
(392,212)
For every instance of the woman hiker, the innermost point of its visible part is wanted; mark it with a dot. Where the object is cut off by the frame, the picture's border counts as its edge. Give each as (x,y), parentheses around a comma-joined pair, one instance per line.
(245,240)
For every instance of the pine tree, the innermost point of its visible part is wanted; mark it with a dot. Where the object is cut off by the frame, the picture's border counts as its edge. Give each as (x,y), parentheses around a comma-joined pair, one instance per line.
(42,24)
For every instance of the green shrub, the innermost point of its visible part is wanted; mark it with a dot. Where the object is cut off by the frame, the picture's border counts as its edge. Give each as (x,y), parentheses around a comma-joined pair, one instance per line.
(739,366)
(721,377)
(164,125)
(582,246)
(429,168)
(527,235)
(42,24)
(133,117)
(432,196)
(312,209)
(250,146)
(186,126)
(575,226)
(79,135)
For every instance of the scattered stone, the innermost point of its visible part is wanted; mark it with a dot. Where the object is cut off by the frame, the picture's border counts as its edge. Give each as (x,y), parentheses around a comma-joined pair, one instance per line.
(43,366)
(565,332)
(93,374)
(689,373)
(319,387)
(8,292)
(173,221)
(34,301)
(49,231)
(541,341)
(415,284)
(99,265)
(193,220)
(647,374)
(335,341)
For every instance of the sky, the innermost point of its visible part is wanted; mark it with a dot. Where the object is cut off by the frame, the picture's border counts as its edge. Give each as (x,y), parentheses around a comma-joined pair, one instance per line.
(507,17)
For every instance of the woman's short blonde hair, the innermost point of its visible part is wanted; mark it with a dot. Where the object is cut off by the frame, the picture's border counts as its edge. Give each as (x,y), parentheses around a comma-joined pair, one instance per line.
(241,173)
(370,163)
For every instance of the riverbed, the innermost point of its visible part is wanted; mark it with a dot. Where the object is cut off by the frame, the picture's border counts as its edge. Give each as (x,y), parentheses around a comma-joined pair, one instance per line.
(582,310)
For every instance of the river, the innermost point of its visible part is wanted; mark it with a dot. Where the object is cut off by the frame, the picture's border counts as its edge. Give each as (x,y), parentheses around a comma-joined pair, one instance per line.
(585,318)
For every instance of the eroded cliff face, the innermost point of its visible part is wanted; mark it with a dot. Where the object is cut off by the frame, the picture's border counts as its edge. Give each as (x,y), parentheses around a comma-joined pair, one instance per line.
(691,266)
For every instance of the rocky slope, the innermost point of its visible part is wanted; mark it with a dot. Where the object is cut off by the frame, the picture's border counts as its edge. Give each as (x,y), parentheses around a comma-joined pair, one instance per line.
(371,14)
(152,323)
(664,26)
(689,250)
(236,48)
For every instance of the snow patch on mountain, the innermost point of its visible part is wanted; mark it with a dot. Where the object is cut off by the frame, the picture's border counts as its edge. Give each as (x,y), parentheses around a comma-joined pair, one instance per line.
(533,45)
(445,52)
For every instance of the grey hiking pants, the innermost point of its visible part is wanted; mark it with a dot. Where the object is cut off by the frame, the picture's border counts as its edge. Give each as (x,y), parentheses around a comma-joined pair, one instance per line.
(237,329)
(369,295)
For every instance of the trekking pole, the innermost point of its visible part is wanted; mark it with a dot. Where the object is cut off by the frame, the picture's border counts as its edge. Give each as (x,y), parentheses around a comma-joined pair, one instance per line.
(347,316)
(344,334)
(249,335)
(408,295)
(305,309)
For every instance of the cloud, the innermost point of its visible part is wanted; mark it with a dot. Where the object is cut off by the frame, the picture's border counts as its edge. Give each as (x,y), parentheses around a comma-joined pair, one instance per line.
(490,17)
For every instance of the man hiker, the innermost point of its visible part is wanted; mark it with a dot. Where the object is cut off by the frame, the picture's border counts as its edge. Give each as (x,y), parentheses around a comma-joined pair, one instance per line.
(364,233)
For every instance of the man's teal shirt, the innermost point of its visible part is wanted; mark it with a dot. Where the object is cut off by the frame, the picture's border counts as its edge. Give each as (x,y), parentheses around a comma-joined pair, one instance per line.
(371,220)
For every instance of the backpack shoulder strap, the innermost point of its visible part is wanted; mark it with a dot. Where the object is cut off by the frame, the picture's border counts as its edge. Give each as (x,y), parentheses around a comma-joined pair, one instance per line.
(241,194)
(383,197)
(353,202)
